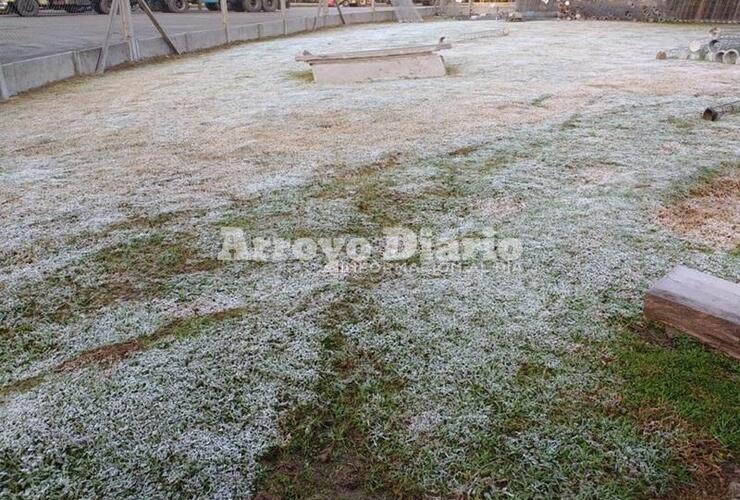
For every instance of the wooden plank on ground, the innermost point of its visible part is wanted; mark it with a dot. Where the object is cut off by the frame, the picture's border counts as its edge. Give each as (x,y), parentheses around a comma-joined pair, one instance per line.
(704,306)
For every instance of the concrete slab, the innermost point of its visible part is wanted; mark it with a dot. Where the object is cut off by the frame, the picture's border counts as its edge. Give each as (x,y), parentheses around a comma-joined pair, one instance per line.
(271,29)
(200,40)
(25,75)
(244,33)
(372,65)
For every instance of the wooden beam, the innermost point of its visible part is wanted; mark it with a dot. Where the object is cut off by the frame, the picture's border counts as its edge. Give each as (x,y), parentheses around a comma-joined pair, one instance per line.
(103,56)
(225,19)
(283,11)
(339,9)
(148,11)
(699,304)
(128,30)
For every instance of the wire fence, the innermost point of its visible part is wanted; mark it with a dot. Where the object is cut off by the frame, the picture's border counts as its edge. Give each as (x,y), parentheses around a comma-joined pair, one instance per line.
(33,8)
(36,28)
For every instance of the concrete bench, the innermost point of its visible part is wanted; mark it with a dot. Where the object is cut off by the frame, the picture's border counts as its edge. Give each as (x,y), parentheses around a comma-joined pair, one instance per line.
(384,64)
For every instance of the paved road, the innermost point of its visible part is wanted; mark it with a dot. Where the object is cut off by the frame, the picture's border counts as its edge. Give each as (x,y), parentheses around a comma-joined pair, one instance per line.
(54,32)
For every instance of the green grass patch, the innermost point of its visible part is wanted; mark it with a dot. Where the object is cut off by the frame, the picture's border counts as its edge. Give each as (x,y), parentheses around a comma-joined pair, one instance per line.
(304,76)
(453,70)
(699,385)
(330,453)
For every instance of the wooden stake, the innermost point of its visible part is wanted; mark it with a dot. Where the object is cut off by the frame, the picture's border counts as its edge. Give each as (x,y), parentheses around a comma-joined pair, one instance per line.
(339,9)
(103,58)
(4,92)
(225,19)
(148,11)
(128,30)
(318,13)
(284,10)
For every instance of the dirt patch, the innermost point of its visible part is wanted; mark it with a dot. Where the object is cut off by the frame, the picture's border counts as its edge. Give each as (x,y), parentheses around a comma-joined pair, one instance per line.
(465,150)
(724,484)
(104,355)
(654,333)
(327,477)
(109,355)
(710,214)
(500,208)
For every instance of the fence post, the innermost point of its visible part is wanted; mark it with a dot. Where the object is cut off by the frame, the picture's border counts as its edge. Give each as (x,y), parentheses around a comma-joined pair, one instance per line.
(225,18)
(284,10)
(4,92)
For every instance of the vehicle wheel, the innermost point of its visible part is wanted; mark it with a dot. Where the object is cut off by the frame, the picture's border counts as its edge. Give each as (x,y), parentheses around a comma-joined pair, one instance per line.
(26,8)
(252,5)
(213,6)
(176,5)
(270,5)
(102,6)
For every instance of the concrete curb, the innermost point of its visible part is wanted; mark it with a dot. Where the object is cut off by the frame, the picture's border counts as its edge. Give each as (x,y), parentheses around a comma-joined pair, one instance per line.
(21,76)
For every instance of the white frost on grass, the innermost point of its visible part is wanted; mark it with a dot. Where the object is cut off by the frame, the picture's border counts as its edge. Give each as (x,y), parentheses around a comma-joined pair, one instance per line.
(566,144)
(190,417)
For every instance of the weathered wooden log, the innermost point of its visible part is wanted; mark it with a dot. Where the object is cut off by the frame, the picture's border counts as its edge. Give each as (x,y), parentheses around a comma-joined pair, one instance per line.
(701,305)
(714,113)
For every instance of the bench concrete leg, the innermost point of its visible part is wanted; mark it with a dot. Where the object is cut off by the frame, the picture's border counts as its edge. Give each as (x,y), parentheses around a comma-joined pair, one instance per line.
(4,92)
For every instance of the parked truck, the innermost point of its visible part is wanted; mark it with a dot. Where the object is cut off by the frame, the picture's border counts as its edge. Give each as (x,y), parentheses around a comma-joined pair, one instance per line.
(246,5)
(28,8)
(103,6)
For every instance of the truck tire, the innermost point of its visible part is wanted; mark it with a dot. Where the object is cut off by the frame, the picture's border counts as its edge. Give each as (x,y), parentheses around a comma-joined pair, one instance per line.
(102,6)
(26,8)
(269,5)
(176,5)
(252,5)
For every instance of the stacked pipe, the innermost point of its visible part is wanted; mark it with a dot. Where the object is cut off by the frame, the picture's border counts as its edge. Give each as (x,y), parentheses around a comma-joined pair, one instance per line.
(715,48)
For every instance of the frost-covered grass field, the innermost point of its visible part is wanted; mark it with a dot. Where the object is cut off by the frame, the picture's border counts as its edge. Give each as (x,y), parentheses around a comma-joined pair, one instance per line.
(136,364)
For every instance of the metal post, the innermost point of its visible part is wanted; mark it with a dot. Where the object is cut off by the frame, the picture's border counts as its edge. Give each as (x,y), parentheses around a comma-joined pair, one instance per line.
(284,10)
(372,9)
(225,18)
(470,8)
